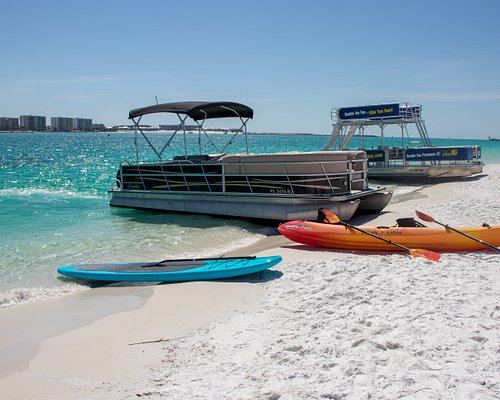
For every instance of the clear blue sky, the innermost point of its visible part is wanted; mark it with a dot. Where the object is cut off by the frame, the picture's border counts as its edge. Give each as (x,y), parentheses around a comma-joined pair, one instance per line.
(291,61)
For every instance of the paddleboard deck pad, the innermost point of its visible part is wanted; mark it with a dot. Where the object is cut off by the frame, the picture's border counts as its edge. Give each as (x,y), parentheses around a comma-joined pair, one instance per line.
(180,270)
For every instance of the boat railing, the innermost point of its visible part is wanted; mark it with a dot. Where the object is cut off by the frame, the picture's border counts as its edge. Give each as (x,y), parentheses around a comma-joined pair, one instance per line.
(331,177)
(442,163)
(439,163)
(118,180)
(447,156)
(117,184)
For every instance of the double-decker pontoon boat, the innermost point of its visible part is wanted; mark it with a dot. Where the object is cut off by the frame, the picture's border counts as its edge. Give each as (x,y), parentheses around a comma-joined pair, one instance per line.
(423,164)
(278,186)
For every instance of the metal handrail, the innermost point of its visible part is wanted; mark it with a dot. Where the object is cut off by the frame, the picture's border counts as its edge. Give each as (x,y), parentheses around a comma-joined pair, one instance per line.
(284,164)
(348,173)
(165,176)
(121,173)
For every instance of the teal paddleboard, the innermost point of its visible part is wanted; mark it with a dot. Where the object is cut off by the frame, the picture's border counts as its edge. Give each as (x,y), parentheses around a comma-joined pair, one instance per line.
(197,269)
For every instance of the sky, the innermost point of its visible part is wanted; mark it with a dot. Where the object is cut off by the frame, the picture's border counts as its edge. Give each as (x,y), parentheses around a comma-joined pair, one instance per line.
(291,61)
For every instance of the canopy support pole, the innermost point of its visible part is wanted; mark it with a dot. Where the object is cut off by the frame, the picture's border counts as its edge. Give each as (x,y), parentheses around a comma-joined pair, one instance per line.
(137,127)
(181,126)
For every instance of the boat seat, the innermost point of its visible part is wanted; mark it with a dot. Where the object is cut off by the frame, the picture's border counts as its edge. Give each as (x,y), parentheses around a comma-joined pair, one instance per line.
(195,158)
(290,163)
(409,223)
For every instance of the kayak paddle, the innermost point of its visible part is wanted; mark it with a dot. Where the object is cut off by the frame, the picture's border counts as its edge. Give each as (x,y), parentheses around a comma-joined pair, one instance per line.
(173,260)
(334,219)
(428,218)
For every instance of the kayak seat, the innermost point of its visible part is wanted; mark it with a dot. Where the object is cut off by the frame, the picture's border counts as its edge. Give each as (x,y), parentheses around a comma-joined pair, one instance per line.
(409,223)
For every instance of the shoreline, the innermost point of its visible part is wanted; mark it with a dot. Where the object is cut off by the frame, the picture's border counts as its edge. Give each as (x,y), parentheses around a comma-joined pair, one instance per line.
(96,332)
(80,344)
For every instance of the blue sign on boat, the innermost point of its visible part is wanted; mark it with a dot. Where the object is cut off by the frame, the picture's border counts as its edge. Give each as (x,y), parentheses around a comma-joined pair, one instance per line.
(439,154)
(375,155)
(375,111)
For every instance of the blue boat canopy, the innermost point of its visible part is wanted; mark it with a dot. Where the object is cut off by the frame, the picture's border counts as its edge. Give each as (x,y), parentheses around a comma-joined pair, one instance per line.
(197,110)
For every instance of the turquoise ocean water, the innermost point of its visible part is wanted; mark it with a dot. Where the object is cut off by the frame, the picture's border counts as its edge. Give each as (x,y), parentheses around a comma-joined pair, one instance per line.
(54,206)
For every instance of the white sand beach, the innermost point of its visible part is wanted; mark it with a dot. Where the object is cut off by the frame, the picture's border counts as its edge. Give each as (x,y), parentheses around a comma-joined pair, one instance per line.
(321,325)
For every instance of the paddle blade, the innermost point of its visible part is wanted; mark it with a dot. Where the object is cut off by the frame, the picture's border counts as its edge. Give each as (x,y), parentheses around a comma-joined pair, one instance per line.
(424,217)
(430,255)
(329,216)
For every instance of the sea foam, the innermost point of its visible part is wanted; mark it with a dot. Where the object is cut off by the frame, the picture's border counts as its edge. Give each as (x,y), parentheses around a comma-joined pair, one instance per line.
(30,295)
(47,193)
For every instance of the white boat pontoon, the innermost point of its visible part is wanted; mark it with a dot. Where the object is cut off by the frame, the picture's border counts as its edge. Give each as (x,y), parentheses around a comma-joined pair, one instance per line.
(422,164)
(278,186)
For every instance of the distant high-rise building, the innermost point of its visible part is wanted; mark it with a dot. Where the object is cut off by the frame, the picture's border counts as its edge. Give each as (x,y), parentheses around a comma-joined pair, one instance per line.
(9,124)
(98,127)
(82,124)
(61,124)
(33,123)
(174,127)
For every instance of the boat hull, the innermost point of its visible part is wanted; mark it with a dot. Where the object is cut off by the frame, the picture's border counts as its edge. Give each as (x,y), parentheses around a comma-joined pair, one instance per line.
(423,174)
(373,203)
(281,208)
(342,237)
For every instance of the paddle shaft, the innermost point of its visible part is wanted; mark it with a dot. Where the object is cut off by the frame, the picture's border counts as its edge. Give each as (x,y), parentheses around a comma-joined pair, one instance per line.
(467,235)
(428,218)
(376,236)
(430,255)
(159,263)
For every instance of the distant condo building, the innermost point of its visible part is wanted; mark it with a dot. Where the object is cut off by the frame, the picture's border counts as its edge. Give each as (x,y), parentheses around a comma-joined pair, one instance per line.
(98,127)
(61,124)
(33,123)
(38,123)
(82,124)
(174,127)
(9,124)
(65,124)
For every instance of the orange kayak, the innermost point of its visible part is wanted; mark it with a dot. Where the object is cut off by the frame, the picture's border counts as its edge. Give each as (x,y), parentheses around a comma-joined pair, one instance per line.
(341,237)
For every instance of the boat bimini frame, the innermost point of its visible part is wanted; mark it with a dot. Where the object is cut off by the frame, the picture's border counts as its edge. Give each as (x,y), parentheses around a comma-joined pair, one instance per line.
(199,112)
